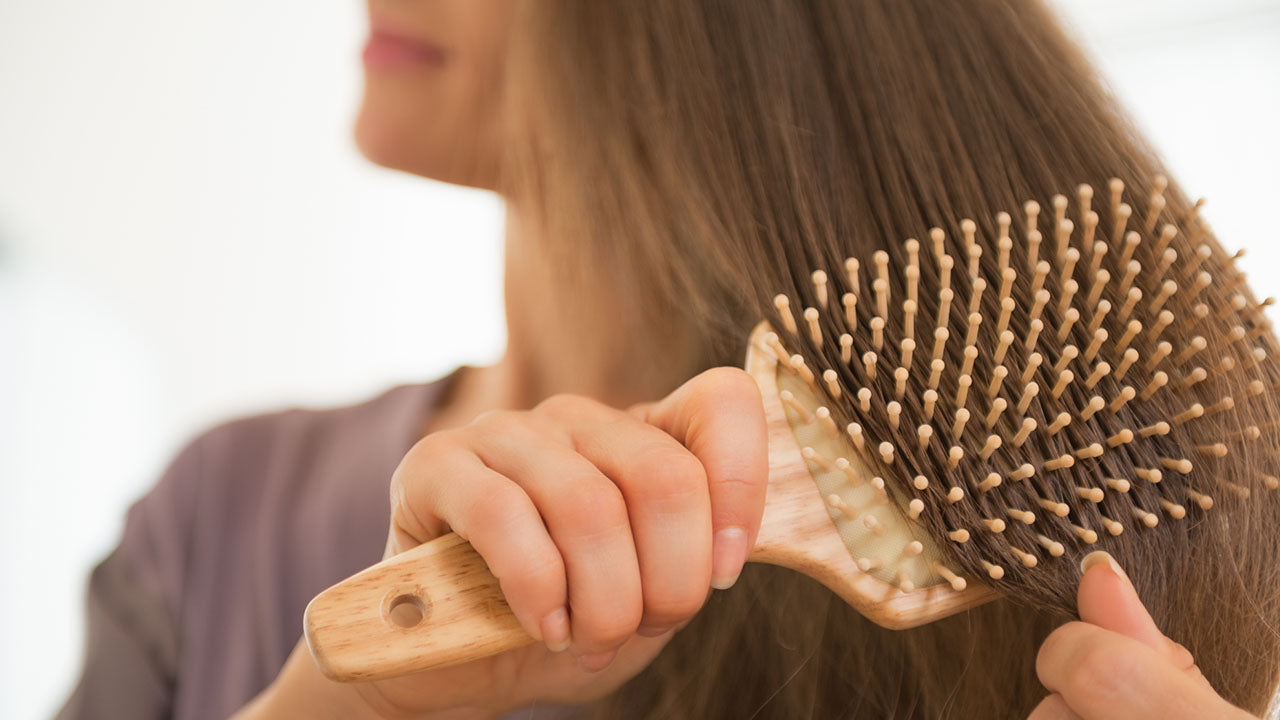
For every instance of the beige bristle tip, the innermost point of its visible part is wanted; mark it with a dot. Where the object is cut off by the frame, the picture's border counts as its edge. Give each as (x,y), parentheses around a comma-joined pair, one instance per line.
(1146,518)
(1026,558)
(1059,463)
(1055,548)
(1093,495)
(873,524)
(957,583)
(1025,517)
(1070,350)
(1204,501)
(1086,535)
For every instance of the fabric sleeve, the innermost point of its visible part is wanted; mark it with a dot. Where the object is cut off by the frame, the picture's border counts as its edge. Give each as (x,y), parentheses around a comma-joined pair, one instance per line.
(133,639)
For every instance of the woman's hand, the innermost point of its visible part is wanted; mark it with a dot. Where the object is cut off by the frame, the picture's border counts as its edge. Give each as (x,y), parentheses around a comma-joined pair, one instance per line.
(606,528)
(1115,664)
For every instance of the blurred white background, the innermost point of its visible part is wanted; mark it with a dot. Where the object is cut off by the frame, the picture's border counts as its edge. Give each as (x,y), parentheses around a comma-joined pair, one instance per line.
(187,234)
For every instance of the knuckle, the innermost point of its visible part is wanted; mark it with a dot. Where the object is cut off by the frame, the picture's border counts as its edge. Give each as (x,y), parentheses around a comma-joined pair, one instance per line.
(1055,646)
(564,405)
(546,568)
(501,422)
(540,574)
(740,482)
(1180,656)
(398,487)
(399,490)
(408,479)
(741,501)
(425,450)
(1097,669)
(671,474)
(611,627)
(595,508)
(726,382)
(675,606)
(496,508)
(441,448)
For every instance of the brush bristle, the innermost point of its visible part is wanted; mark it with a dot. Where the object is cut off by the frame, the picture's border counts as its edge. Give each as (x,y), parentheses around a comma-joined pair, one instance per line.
(1047,394)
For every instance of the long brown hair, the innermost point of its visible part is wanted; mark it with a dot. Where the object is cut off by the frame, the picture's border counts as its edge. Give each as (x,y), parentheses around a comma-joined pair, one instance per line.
(702,155)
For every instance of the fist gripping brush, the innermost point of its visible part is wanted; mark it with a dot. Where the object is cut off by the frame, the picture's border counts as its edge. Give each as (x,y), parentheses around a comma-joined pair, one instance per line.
(1002,401)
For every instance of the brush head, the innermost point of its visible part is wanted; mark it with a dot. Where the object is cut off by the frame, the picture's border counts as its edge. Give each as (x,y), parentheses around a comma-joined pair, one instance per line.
(877,561)
(1022,393)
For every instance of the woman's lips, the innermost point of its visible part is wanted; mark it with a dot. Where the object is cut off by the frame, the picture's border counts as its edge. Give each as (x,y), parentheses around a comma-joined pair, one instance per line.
(385,50)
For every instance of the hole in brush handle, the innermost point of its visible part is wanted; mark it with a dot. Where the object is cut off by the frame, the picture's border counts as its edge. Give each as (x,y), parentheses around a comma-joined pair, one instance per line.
(429,607)
(406,608)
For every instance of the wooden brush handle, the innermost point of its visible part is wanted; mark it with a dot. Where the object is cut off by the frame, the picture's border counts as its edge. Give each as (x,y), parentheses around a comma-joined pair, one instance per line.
(363,628)
(353,636)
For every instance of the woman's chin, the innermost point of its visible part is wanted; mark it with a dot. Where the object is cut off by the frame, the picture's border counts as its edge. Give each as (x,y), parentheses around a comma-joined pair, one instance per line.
(380,143)
(421,146)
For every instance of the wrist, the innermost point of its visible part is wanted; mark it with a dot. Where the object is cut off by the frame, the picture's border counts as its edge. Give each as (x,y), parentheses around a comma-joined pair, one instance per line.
(300,690)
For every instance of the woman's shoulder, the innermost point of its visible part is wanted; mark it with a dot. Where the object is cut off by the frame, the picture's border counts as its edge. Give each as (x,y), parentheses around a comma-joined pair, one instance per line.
(240,461)
(252,519)
(391,416)
(295,440)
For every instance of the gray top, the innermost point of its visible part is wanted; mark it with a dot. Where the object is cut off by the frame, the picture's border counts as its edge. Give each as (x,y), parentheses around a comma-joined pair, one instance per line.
(196,610)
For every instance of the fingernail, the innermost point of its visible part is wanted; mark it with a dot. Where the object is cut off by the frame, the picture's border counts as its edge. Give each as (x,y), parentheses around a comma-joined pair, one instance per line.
(1102,556)
(651,630)
(728,553)
(597,662)
(555,630)
(1127,614)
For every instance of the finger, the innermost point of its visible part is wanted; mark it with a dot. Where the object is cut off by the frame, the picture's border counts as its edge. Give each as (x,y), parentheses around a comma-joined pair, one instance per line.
(1102,674)
(585,515)
(500,521)
(719,416)
(668,504)
(1053,708)
(1106,598)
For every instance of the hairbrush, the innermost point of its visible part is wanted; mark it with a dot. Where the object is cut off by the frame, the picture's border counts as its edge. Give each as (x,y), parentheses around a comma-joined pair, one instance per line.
(995,405)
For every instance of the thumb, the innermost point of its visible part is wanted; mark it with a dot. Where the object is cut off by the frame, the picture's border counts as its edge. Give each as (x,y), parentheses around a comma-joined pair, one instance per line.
(1106,598)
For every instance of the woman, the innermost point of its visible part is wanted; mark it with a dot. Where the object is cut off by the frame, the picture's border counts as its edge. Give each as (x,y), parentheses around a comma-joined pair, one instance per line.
(667,167)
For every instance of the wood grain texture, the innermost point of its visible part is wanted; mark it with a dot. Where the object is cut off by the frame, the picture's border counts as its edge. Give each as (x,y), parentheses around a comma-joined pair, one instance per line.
(797,531)
(465,617)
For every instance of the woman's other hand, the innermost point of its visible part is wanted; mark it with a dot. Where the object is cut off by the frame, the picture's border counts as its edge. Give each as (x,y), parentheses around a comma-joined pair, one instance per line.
(606,528)
(1115,664)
